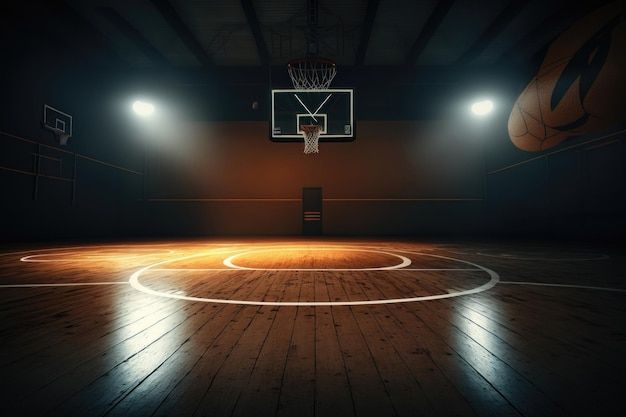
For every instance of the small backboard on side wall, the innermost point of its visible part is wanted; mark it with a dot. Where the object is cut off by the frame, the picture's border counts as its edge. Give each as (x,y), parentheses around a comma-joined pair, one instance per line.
(58,122)
(333,109)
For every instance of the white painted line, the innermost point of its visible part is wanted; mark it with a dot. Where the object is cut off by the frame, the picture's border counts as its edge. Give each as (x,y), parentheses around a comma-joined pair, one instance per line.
(68,284)
(594,257)
(404,260)
(587,256)
(440,269)
(309,270)
(493,280)
(306,108)
(547,284)
(455,252)
(194,269)
(94,257)
(324,102)
(86,247)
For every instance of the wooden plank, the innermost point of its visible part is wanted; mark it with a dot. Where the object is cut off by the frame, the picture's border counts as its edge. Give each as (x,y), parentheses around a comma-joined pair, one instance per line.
(298,385)
(435,365)
(65,389)
(261,393)
(530,358)
(534,322)
(222,395)
(127,309)
(159,385)
(30,374)
(190,390)
(66,323)
(333,394)
(506,352)
(369,394)
(514,386)
(127,368)
(406,391)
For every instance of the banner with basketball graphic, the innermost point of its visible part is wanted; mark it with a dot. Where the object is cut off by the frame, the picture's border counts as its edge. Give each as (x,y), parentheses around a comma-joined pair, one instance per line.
(580,87)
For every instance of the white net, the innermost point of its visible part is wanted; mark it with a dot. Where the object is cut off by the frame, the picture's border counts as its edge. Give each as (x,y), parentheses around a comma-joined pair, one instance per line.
(63,137)
(311,135)
(311,73)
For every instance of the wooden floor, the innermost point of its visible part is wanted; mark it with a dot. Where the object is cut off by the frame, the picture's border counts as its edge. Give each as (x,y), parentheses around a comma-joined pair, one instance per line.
(312,328)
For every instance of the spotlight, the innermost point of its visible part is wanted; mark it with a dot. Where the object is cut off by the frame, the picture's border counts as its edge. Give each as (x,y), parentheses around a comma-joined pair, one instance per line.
(482,108)
(142,108)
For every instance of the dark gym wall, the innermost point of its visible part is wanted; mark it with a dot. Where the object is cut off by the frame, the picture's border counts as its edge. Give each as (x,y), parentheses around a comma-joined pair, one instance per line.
(396,178)
(89,188)
(372,186)
(419,165)
(576,190)
(399,177)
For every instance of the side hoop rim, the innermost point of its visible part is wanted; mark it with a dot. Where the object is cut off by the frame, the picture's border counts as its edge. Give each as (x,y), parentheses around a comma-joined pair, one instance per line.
(319,60)
(310,128)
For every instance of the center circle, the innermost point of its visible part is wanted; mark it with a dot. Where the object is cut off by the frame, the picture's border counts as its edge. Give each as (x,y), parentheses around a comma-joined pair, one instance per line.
(81,256)
(494,278)
(404,261)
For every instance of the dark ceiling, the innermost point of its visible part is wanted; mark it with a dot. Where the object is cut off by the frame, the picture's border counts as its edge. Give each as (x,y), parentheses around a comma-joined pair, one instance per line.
(204,33)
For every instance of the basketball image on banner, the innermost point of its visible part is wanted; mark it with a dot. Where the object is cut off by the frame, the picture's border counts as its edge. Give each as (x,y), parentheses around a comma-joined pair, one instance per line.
(580,87)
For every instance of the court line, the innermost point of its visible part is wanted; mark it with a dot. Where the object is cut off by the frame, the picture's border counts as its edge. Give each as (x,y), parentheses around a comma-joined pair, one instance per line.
(84,247)
(334,200)
(196,269)
(547,284)
(311,270)
(599,257)
(310,246)
(223,248)
(68,284)
(76,284)
(494,278)
(131,246)
(101,257)
(438,269)
(405,261)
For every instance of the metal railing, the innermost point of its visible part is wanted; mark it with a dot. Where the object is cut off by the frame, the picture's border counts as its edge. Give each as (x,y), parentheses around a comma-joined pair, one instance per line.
(564,149)
(36,171)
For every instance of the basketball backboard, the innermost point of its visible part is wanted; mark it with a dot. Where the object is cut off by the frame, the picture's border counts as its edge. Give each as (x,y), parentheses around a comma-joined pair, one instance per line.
(333,109)
(58,122)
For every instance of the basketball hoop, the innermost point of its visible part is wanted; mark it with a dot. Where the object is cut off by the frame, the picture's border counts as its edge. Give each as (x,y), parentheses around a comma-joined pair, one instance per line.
(60,135)
(58,122)
(311,73)
(311,134)
(63,137)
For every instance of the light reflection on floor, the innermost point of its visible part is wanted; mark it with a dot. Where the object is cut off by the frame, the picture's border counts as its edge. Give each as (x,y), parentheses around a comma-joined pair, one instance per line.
(504,350)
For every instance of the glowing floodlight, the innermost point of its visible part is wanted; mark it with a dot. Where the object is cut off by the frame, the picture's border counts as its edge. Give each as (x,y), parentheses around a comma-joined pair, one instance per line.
(143,109)
(482,108)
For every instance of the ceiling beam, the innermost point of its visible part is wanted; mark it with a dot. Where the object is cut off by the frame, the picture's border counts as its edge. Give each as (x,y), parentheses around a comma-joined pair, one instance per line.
(58,23)
(504,18)
(430,27)
(132,34)
(536,39)
(92,43)
(367,77)
(255,27)
(366,32)
(172,17)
